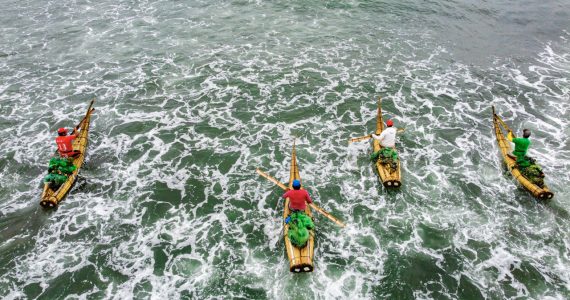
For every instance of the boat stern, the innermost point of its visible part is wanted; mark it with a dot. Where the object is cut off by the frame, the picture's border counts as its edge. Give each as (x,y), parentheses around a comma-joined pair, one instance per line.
(50,202)
(546,195)
(392,183)
(301,268)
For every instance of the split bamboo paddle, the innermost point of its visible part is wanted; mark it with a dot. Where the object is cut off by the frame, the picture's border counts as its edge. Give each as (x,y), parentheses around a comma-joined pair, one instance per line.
(366,137)
(312,205)
(89,110)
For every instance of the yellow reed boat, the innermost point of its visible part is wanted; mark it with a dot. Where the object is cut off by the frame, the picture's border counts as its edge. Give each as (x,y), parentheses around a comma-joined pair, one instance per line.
(300,259)
(50,197)
(542,193)
(390,178)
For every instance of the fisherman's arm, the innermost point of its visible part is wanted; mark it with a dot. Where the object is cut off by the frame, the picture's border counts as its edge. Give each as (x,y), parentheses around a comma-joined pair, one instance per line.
(379,137)
(510,136)
(307,197)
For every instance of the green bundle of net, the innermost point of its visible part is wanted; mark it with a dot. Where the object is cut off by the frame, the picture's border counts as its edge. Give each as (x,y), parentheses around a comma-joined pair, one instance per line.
(387,156)
(63,165)
(59,169)
(299,226)
(55,179)
(534,174)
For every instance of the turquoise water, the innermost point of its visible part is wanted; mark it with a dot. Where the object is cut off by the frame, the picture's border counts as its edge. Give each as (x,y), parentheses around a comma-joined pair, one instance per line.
(193,96)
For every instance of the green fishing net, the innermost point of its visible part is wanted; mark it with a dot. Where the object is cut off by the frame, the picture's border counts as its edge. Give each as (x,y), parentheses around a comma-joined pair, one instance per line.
(533,173)
(386,156)
(299,226)
(55,179)
(63,165)
(59,169)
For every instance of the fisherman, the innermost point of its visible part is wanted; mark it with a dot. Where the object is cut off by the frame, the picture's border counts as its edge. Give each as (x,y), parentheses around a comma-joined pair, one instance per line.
(387,140)
(297,197)
(64,143)
(521,147)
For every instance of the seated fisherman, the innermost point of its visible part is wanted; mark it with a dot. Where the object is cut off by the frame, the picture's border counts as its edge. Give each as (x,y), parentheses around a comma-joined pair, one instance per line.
(65,143)
(388,141)
(297,197)
(521,147)
(388,136)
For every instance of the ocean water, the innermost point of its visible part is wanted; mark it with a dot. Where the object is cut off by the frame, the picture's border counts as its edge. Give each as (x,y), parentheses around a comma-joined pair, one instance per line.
(193,96)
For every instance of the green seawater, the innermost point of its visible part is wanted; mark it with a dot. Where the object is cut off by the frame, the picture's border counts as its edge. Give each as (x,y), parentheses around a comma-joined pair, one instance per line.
(193,96)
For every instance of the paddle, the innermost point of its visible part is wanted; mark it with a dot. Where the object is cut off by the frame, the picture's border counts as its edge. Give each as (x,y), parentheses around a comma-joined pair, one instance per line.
(358,139)
(312,205)
(89,110)
(366,137)
(281,185)
(502,122)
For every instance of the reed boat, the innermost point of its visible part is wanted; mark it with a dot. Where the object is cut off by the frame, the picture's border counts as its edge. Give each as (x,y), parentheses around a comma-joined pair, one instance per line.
(390,178)
(300,259)
(51,198)
(542,193)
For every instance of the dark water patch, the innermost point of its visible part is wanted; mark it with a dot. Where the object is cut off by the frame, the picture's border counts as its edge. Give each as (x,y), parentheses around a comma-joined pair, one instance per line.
(434,238)
(143,289)
(532,278)
(420,273)
(478,251)
(33,290)
(155,211)
(102,258)
(468,290)
(83,280)
(161,192)
(132,128)
(209,130)
(160,260)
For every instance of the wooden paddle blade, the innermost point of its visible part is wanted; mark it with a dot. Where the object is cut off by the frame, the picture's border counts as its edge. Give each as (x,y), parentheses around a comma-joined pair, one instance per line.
(379,121)
(90,109)
(327,215)
(502,123)
(358,139)
(272,179)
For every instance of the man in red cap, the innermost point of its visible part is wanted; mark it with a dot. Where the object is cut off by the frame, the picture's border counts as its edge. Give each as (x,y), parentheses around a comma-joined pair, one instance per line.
(388,136)
(388,142)
(64,143)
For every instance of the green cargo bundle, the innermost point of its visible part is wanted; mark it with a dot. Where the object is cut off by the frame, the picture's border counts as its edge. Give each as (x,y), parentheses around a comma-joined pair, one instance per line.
(386,156)
(534,174)
(299,226)
(59,169)
(55,179)
(63,165)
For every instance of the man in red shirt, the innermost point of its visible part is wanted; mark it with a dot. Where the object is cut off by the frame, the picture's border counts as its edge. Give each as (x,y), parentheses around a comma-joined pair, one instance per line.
(297,197)
(64,143)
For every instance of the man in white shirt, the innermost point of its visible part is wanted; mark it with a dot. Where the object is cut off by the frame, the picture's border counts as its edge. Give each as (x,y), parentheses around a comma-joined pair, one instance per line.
(387,140)
(388,136)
